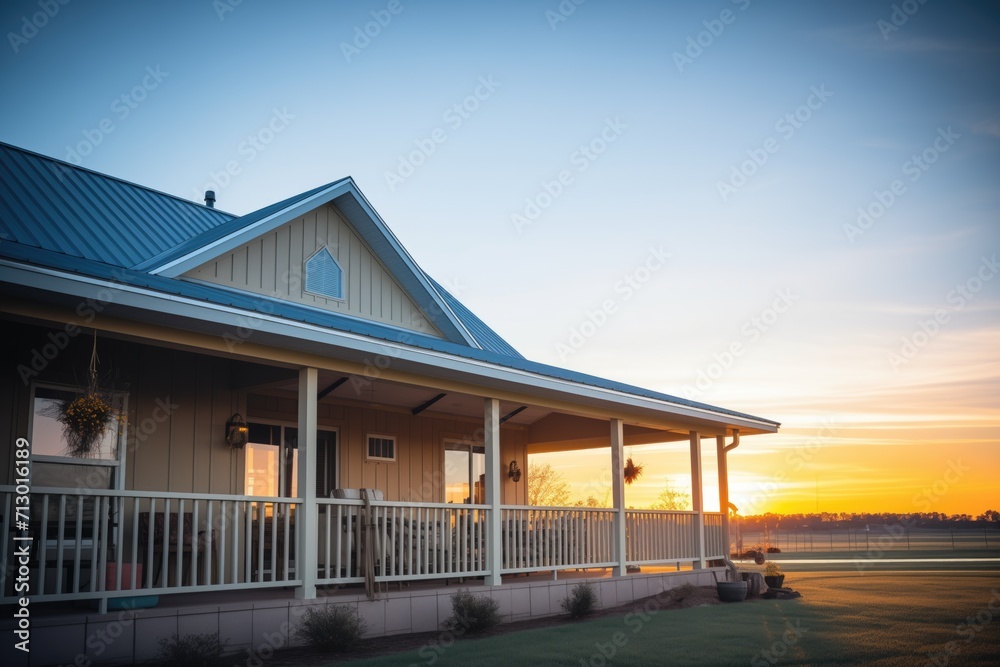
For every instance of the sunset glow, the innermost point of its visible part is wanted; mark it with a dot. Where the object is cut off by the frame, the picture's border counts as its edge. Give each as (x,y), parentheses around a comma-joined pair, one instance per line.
(795,218)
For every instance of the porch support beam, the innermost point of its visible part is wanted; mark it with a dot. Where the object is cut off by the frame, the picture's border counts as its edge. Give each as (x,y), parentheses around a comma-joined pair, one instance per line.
(697,501)
(491,442)
(618,493)
(307,519)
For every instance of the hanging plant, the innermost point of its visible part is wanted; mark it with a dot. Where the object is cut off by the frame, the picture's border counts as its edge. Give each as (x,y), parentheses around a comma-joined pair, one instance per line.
(87,418)
(633,470)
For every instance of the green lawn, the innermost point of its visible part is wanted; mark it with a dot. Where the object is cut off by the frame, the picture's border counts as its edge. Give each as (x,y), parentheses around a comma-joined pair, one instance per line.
(903,618)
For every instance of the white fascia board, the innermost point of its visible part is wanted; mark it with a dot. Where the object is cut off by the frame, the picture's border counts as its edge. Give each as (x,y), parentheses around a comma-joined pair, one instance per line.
(460,368)
(414,268)
(178,266)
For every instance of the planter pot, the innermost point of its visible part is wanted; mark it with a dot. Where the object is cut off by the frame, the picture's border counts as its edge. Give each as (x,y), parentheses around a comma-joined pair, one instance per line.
(732,591)
(119,578)
(775,582)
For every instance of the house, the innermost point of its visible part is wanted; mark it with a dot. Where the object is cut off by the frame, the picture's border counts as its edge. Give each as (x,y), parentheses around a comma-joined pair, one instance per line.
(301,415)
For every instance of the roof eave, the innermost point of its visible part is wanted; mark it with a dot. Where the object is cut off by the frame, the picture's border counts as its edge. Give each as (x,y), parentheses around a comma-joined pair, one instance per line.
(312,338)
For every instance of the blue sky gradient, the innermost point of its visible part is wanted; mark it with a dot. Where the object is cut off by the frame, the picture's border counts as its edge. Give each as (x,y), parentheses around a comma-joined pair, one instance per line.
(833,99)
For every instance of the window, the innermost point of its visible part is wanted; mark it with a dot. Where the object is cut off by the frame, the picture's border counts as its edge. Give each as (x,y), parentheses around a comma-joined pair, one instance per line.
(465,472)
(54,466)
(272,456)
(381,447)
(324,277)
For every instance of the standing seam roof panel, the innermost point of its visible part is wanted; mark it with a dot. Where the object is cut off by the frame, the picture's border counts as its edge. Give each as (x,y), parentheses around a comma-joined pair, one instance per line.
(82,213)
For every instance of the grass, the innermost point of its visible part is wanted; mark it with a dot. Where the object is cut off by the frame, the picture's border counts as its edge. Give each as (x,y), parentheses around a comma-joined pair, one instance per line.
(887,619)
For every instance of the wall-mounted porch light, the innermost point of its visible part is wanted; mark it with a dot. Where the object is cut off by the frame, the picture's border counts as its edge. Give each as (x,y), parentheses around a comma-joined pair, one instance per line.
(514,472)
(236,432)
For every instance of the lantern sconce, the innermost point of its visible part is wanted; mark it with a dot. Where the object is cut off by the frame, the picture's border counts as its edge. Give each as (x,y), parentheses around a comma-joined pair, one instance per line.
(514,472)
(236,432)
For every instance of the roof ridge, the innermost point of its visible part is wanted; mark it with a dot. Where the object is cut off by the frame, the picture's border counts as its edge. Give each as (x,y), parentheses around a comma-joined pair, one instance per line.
(131,184)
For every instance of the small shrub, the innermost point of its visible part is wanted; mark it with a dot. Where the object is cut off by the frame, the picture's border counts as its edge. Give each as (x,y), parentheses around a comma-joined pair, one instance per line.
(331,628)
(581,601)
(773,550)
(473,613)
(193,651)
(772,569)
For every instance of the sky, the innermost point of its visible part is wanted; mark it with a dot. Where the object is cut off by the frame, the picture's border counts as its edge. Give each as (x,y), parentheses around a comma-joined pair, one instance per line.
(787,209)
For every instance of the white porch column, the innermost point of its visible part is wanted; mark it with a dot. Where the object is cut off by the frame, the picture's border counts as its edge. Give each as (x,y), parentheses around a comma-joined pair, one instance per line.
(306,519)
(720,453)
(491,441)
(697,500)
(618,493)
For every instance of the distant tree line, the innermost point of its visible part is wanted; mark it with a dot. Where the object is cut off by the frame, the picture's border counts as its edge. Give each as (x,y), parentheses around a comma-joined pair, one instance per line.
(845,520)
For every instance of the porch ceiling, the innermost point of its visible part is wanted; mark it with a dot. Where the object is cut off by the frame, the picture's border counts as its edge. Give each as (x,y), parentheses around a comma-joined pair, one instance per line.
(397,395)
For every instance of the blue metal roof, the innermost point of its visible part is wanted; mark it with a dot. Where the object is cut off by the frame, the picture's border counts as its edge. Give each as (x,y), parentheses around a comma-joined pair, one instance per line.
(53,205)
(74,220)
(294,312)
(47,203)
(221,231)
(487,338)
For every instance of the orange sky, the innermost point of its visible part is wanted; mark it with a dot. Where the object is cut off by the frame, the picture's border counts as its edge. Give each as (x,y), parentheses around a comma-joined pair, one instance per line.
(927,442)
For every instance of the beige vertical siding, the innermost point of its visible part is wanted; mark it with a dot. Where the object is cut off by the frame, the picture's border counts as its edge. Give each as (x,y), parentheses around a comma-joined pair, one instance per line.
(273,265)
(185,451)
(417,474)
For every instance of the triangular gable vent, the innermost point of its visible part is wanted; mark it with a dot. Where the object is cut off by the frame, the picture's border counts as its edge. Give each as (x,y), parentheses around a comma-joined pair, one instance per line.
(324,277)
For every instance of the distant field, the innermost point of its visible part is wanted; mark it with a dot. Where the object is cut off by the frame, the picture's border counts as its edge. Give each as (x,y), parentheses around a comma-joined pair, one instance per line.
(877,538)
(883,561)
(883,619)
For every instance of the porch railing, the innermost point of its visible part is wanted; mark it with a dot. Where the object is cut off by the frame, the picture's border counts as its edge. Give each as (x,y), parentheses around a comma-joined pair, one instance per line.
(659,536)
(102,544)
(716,541)
(400,541)
(106,544)
(552,538)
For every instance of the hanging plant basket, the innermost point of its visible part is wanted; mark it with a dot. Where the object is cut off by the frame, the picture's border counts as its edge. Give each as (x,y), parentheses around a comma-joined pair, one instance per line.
(86,419)
(633,470)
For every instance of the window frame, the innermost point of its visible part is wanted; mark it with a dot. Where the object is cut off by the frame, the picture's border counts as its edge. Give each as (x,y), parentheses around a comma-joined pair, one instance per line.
(473,450)
(117,464)
(332,462)
(381,459)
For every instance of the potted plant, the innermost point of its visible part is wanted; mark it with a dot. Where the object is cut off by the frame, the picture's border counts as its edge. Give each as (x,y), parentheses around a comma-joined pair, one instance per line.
(773,576)
(733,589)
